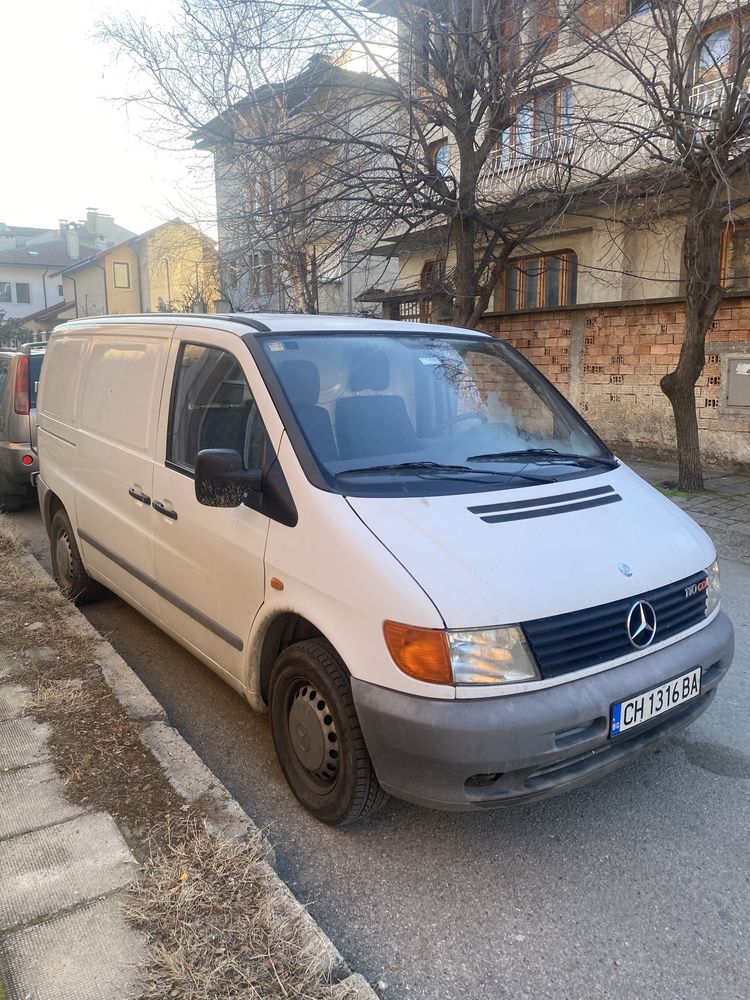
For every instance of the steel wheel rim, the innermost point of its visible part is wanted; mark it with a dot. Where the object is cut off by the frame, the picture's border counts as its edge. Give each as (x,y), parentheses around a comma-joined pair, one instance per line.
(312,733)
(64,558)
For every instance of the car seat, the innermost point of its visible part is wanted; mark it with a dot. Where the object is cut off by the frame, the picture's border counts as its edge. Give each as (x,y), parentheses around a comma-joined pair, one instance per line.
(372,424)
(301,382)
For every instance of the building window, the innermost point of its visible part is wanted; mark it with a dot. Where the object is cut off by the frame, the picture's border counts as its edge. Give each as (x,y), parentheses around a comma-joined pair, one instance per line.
(253,277)
(540,282)
(296,189)
(5,291)
(639,6)
(23,293)
(722,46)
(413,311)
(267,272)
(433,274)
(121,274)
(330,268)
(60,291)
(735,257)
(440,158)
(542,128)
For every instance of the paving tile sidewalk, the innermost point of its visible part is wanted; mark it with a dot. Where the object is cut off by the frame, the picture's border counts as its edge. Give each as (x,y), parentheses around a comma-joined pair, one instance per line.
(62,872)
(723,510)
(65,869)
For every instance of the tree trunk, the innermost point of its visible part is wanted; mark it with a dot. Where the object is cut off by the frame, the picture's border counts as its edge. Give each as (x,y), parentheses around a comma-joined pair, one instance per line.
(701,256)
(464,281)
(301,291)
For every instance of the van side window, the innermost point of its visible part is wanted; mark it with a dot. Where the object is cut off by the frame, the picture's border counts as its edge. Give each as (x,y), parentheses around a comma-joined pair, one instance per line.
(212,407)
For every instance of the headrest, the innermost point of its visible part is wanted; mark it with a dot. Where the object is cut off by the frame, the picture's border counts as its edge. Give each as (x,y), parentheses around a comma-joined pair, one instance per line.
(370,371)
(301,381)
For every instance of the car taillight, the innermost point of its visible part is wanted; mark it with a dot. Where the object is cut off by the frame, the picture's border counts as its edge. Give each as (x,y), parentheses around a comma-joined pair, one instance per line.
(21,393)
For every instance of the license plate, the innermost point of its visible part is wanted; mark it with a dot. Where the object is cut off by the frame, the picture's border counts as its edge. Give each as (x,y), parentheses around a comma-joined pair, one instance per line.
(643,707)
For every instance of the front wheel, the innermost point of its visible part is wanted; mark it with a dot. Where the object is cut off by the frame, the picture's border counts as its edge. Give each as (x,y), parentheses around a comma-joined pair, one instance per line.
(67,566)
(317,736)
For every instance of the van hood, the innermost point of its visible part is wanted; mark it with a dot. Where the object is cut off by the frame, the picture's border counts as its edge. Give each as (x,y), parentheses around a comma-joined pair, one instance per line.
(507,556)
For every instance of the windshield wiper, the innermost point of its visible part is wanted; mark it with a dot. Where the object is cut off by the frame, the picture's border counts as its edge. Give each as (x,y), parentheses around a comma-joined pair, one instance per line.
(438,467)
(546,455)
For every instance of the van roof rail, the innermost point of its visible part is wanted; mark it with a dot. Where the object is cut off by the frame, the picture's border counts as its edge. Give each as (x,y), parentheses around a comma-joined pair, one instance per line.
(165,317)
(248,321)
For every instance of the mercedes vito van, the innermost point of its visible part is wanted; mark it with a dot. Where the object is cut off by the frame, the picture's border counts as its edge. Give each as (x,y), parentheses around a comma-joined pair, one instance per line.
(398,539)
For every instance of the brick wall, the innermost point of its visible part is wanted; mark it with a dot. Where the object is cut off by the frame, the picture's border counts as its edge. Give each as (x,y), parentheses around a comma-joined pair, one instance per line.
(608,361)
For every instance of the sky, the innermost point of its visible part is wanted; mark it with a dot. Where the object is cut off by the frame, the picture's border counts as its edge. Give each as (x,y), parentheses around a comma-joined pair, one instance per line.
(66,145)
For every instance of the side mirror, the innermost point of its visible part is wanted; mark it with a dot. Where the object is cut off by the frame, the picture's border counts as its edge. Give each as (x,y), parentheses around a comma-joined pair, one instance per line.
(220,479)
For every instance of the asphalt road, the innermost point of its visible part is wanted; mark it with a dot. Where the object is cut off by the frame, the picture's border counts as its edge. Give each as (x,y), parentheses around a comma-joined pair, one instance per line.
(637,885)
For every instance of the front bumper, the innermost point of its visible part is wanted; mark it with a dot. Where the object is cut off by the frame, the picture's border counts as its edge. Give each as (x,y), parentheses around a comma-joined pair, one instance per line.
(15,475)
(483,753)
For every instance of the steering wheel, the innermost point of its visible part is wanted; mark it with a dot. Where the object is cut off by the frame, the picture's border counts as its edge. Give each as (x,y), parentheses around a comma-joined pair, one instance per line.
(460,418)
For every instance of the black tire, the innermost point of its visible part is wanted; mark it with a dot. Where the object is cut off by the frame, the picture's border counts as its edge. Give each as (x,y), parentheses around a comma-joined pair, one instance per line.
(11,503)
(67,568)
(324,759)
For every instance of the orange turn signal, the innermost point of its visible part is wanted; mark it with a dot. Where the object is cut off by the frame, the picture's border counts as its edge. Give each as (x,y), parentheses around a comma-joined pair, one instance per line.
(419,652)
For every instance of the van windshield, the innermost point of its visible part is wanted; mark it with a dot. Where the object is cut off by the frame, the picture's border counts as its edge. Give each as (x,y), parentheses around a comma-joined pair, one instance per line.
(395,414)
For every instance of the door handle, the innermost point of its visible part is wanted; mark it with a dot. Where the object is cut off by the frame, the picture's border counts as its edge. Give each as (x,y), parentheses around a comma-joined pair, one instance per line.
(164,510)
(141,497)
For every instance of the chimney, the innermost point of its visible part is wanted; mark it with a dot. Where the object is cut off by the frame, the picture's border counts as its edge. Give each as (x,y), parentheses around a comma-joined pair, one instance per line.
(73,243)
(7,239)
(92,217)
(63,226)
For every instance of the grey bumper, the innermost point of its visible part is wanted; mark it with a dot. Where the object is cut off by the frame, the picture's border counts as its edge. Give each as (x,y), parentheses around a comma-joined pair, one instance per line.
(15,475)
(473,754)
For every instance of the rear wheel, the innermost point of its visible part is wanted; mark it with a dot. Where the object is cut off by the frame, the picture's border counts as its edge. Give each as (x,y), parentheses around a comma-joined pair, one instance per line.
(67,567)
(317,735)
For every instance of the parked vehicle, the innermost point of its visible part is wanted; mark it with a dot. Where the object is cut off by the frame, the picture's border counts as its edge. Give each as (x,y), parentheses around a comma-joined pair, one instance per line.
(19,377)
(398,539)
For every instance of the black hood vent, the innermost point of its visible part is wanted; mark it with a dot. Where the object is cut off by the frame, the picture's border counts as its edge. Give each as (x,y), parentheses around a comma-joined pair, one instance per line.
(561,503)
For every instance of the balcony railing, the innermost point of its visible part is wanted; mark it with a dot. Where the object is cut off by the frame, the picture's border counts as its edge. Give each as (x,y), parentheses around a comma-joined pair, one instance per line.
(565,161)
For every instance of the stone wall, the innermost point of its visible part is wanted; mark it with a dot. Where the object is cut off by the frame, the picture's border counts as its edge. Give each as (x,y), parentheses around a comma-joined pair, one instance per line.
(608,361)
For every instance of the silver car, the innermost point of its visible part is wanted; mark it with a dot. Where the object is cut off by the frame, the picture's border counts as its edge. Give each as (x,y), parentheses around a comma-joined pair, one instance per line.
(19,378)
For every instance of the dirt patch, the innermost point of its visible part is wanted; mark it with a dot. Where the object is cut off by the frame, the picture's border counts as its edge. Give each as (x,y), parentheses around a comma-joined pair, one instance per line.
(94,745)
(218,920)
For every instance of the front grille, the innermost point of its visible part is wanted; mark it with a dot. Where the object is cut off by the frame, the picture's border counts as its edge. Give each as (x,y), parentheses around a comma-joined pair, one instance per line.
(580,639)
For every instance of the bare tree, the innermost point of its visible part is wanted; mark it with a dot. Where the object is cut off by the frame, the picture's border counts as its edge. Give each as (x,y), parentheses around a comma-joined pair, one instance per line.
(250,81)
(433,146)
(465,167)
(679,72)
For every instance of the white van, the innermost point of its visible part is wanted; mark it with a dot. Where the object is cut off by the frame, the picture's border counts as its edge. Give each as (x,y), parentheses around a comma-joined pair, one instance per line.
(399,539)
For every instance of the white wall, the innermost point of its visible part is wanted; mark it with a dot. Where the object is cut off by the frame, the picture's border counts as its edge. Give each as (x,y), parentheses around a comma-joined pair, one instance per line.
(37,280)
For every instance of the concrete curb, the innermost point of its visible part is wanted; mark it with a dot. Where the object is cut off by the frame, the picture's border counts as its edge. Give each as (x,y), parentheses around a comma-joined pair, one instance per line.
(192,779)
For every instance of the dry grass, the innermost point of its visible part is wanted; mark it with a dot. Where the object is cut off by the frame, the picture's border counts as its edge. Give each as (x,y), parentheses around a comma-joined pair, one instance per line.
(57,697)
(218,921)
(221,926)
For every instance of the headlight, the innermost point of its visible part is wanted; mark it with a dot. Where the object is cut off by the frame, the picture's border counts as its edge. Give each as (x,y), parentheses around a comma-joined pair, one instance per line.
(713,593)
(491,656)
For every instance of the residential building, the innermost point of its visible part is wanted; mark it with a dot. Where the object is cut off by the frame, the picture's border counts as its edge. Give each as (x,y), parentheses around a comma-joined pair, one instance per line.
(31,259)
(595,297)
(170,268)
(288,238)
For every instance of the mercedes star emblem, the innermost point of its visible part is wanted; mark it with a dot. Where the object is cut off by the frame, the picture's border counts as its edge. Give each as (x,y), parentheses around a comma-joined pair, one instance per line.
(641,625)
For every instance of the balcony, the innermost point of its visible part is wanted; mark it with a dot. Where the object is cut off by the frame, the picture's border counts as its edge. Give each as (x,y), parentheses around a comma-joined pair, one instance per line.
(543,163)
(588,153)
